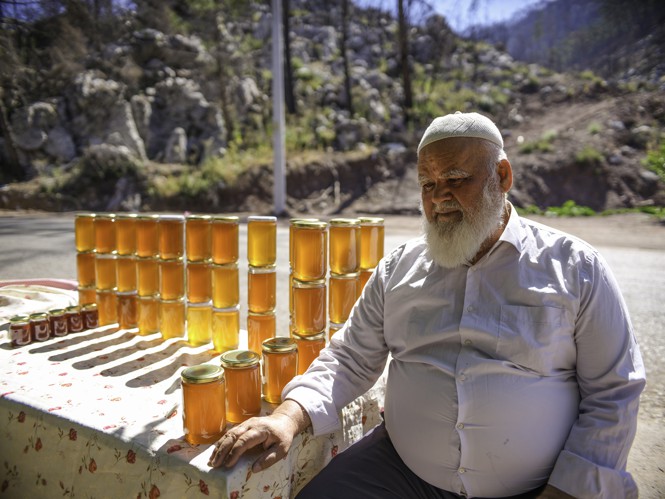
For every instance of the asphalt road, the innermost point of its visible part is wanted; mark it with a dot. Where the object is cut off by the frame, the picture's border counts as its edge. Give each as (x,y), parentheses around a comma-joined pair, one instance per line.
(34,245)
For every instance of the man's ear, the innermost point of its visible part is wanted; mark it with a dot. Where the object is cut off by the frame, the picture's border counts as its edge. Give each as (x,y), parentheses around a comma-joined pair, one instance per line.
(505,171)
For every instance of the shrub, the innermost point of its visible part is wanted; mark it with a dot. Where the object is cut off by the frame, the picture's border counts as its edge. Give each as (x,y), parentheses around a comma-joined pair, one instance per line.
(655,160)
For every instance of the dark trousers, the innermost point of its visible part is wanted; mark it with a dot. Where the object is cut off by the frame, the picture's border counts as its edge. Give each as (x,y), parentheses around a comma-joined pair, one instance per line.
(371,468)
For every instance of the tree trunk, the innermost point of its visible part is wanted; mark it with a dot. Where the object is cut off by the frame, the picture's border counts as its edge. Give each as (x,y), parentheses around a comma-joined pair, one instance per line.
(288,73)
(404,60)
(15,170)
(345,57)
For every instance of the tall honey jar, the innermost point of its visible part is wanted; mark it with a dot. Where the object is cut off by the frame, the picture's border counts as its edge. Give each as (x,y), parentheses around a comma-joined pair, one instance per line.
(199,282)
(172,278)
(343,295)
(107,306)
(292,223)
(125,233)
(87,294)
(372,234)
(197,237)
(57,320)
(172,318)
(280,359)
(148,275)
(105,271)
(84,232)
(363,277)
(85,268)
(243,384)
(147,240)
(333,328)
(225,285)
(171,231)
(148,311)
(199,323)
(261,240)
(90,316)
(225,328)
(203,403)
(39,327)
(310,250)
(262,288)
(224,239)
(309,306)
(344,245)
(127,274)
(260,327)
(19,330)
(74,319)
(104,224)
(309,348)
(128,316)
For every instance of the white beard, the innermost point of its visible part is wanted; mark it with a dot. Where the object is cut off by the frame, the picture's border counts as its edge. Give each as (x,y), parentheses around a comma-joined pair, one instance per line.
(455,243)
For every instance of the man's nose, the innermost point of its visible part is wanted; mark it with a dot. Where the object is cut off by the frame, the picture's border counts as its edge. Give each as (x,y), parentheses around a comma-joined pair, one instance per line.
(441,193)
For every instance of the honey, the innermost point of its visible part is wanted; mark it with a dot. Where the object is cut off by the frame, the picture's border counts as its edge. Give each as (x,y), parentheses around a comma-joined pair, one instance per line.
(199,323)
(172,318)
(261,240)
(309,250)
(126,273)
(19,330)
(225,328)
(260,327)
(280,359)
(309,306)
(343,295)
(39,327)
(243,384)
(333,329)
(125,232)
(128,316)
(148,314)
(172,279)
(87,294)
(171,235)
(107,306)
(57,322)
(74,319)
(203,403)
(104,225)
(90,316)
(344,245)
(199,282)
(197,237)
(261,289)
(224,239)
(225,285)
(105,271)
(364,276)
(372,235)
(148,275)
(147,241)
(309,348)
(84,232)
(85,268)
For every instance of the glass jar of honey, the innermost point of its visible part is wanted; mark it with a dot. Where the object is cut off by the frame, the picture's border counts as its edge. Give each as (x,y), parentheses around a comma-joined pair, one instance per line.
(148,311)
(333,329)
(105,270)
(363,277)
(171,230)
(224,239)
(371,241)
(19,330)
(57,322)
(243,384)
(280,359)
(344,245)
(199,323)
(125,232)
(104,225)
(343,295)
(85,268)
(39,327)
(261,288)
(199,282)
(309,306)
(84,232)
(127,309)
(148,275)
(197,237)
(225,328)
(225,285)
(261,240)
(172,279)
(309,251)
(87,294)
(172,318)
(147,240)
(309,348)
(203,403)
(260,327)
(90,316)
(107,306)
(126,272)
(74,319)
(292,224)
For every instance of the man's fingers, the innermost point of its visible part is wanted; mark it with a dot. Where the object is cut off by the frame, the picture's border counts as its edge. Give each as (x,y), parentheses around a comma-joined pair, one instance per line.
(273,454)
(221,449)
(245,441)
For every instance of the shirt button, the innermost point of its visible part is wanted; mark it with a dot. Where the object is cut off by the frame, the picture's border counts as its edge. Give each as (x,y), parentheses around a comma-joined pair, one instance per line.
(469,308)
(467,342)
(462,470)
(461,377)
(460,426)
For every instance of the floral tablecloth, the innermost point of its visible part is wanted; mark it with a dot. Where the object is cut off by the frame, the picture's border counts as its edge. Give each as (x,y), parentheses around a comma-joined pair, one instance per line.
(98,414)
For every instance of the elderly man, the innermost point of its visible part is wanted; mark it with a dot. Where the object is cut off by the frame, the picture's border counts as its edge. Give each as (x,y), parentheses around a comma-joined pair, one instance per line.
(514,370)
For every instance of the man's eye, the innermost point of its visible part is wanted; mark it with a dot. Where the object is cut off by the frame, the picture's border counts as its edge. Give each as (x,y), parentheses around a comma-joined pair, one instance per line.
(427,186)
(455,182)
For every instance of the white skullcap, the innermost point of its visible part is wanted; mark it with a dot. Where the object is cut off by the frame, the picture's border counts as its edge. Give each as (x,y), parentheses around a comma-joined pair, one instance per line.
(461,125)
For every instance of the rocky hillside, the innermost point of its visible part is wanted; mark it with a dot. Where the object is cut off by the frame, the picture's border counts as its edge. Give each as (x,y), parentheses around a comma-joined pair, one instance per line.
(158,118)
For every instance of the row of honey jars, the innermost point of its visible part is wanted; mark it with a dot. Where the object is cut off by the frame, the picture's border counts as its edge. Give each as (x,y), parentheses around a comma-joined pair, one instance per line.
(41,326)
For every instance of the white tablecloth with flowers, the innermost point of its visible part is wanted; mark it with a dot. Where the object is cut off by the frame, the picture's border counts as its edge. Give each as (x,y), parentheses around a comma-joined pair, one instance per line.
(98,414)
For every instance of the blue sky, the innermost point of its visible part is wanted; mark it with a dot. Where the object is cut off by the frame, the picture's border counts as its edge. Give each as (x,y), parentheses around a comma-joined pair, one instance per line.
(459,15)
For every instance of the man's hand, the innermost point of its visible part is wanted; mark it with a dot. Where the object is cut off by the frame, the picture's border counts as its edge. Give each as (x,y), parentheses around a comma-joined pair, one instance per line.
(275,433)
(551,492)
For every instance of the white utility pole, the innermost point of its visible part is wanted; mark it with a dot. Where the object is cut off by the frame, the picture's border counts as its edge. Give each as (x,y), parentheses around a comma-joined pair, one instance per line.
(279,145)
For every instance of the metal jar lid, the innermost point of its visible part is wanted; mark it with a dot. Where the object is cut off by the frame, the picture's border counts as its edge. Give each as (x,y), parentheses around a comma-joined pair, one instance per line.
(19,320)
(344,222)
(262,218)
(352,275)
(266,269)
(90,307)
(371,220)
(279,344)
(309,224)
(57,312)
(38,316)
(226,219)
(310,337)
(203,373)
(237,359)
(319,283)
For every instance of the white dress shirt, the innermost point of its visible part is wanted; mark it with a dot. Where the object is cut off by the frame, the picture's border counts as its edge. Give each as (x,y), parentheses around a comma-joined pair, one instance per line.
(518,370)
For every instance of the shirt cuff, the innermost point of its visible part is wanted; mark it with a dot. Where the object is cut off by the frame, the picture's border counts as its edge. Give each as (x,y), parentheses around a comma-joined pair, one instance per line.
(585,480)
(323,419)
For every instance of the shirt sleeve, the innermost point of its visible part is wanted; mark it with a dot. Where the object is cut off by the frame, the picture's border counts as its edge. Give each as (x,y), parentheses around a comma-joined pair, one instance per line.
(350,365)
(611,376)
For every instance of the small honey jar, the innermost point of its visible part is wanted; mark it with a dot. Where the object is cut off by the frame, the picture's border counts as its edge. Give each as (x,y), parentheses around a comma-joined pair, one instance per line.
(203,403)
(84,232)
(224,239)
(260,327)
(125,233)
(90,316)
(372,234)
(85,268)
(225,328)
(19,330)
(107,307)
(105,271)
(344,245)
(309,251)
(57,322)
(172,279)
(197,237)
(243,384)
(74,319)
(147,240)
(171,231)
(148,275)
(148,311)
(225,285)
(343,295)
(39,327)
(261,288)
(126,273)
(199,282)
(199,323)
(104,224)
(87,294)
(172,318)
(127,309)
(364,276)
(309,306)
(309,348)
(280,359)
(261,240)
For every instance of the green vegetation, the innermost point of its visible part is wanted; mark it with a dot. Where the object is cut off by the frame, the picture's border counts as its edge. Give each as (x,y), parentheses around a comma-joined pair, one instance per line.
(594,128)
(544,144)
(572,209)
(655,160)
(588,156)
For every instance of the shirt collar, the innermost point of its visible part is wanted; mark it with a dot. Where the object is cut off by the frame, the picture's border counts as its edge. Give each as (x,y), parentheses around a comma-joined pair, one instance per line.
(513,232)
